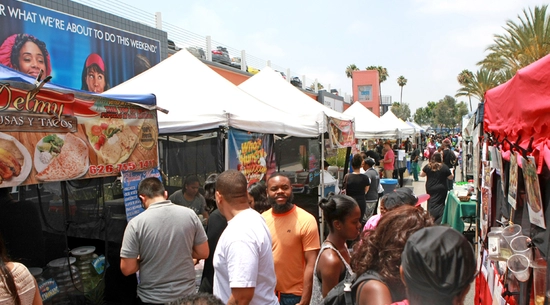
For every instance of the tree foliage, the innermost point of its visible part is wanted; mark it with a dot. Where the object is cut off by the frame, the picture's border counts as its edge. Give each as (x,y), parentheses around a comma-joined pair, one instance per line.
(350,69)
(425,115)
(523,43)
(483,80)
(448,113)
(382,72)
(401,81)
(401,110)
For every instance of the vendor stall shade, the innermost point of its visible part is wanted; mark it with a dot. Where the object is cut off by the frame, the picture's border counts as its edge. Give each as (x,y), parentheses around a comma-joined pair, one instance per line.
(520,109)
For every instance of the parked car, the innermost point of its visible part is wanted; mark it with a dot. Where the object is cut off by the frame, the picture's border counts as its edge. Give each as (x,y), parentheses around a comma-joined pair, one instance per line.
(236,63)
(172,45)
(296,81)
(197,52)
(221,55)
(282,73)
(252,70)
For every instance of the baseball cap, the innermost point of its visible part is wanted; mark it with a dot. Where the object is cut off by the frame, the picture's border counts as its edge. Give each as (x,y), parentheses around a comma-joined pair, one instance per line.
(95,59)
(370,161)
(438,260)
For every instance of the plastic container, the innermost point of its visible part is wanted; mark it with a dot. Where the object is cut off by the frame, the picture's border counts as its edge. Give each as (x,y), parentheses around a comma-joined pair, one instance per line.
(84,262)
(499,249)
(66,277)
(389,185)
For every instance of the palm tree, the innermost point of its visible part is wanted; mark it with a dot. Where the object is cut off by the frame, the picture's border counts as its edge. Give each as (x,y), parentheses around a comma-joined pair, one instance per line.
(483,80)
(523,42)
(382,76)
(350,69)
(463,79)
(401,81)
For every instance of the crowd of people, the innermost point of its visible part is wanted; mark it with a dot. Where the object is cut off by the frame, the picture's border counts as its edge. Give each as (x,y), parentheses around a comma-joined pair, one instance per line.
(259,247)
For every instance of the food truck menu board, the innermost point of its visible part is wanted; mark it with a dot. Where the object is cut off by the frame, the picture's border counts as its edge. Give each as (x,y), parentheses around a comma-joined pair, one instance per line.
(46,135)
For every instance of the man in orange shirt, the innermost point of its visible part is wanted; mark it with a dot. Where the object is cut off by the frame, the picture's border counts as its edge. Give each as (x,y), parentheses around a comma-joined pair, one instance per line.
(295,241)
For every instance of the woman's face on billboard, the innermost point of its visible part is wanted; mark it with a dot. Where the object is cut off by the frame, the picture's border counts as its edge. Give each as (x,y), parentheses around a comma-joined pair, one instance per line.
(31,59)
(95,81)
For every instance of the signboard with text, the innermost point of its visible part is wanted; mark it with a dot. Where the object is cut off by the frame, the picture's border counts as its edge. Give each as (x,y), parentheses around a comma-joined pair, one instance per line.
(49,135)
(251,153)
(77,53)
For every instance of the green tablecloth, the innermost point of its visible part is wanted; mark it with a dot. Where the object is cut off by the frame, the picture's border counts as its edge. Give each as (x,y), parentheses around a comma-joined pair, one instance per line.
(455,210)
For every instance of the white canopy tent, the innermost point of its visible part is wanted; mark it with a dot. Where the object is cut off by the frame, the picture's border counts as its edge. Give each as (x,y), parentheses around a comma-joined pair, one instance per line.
(270,87)
(400,129)
(367,124)
(417,128)
(199,99)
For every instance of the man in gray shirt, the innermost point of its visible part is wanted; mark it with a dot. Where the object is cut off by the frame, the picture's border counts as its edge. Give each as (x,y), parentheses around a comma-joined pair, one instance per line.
(161,243)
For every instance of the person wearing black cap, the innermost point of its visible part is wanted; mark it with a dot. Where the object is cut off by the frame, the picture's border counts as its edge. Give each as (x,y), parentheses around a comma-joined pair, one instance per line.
(426,253)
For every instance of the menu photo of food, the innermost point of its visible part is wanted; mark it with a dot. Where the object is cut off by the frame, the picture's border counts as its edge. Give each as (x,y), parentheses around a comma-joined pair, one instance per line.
(15,161)
(60,157)
(532,189)
(113,140)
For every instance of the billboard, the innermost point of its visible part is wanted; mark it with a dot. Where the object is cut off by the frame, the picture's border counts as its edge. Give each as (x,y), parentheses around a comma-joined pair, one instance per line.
(77,53)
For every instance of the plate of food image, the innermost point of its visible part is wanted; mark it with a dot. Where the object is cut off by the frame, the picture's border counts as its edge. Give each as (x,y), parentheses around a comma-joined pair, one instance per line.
(61,157)
(15,161)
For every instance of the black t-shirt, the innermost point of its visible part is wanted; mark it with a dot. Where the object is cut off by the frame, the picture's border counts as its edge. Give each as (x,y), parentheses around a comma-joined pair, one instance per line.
(373,154)
(449,158)
(214,229)
(415,154)
(355,186)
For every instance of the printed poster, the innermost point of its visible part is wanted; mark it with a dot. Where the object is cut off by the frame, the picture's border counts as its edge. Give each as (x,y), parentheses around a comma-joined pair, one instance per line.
(49,135)
(252,154)
(500,164)
(513,184)
(130,183)
(76,52)
(341,133)
(532,189)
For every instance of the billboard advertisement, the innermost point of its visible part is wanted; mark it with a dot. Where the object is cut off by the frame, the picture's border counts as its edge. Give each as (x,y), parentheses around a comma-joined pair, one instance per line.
(77,53)
(46,135)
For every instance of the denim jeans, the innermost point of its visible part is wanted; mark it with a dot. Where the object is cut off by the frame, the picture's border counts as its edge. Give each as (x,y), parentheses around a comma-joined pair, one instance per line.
(289,299)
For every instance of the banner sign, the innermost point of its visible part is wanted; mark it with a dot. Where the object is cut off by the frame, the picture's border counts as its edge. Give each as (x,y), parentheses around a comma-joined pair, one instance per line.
(130,183)
(341,133)
(47,135)
(251,153)
(77,53)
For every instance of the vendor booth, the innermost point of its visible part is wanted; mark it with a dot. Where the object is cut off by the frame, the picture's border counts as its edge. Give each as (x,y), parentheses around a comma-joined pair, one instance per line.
(204,106)
(514,189)
(61,151)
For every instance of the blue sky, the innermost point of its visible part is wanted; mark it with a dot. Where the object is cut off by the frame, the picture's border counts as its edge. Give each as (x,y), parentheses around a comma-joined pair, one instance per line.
(429,42)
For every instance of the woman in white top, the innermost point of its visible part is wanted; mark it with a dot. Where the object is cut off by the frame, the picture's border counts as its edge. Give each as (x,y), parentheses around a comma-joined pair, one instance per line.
(17,285)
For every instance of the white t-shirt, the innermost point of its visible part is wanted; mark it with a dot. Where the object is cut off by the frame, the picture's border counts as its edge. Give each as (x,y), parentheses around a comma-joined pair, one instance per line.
(243,259)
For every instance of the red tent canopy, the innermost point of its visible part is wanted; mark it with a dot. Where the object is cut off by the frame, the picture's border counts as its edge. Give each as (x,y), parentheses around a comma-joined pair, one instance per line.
(521,108)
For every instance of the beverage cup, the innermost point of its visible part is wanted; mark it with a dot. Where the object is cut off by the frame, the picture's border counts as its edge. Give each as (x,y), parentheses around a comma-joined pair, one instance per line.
(510,232)
(520,245)
(518,264)
(539,280)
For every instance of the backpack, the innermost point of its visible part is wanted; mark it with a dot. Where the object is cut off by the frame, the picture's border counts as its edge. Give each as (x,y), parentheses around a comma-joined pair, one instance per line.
(344,292)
